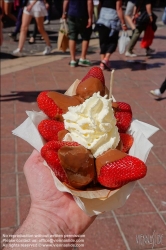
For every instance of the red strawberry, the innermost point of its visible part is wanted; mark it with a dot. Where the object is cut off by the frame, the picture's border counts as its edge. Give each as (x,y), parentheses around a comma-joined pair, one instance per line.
(127,141)
(47,105)
(50,153)
(49,129)
(123,115)
(95,72)
(120,172)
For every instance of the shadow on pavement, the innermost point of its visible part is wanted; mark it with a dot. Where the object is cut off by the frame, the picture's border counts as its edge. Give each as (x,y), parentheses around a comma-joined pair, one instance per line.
(160,99)
(25,96)
(4,55)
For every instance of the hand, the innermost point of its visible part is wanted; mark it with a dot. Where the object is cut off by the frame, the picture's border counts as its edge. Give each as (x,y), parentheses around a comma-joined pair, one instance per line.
(29,7)
(89,23)
(48,202)
(47,6)
(124,28)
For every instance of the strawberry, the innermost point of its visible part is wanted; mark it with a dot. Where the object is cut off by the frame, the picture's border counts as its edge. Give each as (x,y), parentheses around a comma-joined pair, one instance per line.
(123,115)
(50,154)
(127,141)
(120,172)
(49,129)
(95,72)
(47,105)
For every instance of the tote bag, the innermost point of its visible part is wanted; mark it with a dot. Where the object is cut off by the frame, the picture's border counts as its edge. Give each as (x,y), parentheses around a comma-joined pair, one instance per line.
(123,42)
(63,40)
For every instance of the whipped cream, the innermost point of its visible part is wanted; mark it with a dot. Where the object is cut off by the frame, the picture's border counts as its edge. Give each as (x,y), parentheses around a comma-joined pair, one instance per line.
(93,125)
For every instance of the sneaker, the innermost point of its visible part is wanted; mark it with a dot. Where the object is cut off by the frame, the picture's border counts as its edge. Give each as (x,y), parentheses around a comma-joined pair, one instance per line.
(156,93)
(73,63)
(84,62)
(46,22)
(106,64)
(47,50)
(17,52)
(131,54)
(149,51)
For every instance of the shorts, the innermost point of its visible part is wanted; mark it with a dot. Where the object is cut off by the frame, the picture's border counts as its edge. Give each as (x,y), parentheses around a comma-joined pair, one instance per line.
(37,10)
(77,26)
(129,8)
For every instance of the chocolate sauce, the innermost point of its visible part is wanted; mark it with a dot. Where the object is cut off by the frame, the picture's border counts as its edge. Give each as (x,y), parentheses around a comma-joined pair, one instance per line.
(78,164)
(61,134)
(90,86)
(64,101)
(110,155)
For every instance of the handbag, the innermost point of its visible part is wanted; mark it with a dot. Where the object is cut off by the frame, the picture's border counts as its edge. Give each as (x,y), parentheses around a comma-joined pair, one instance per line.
(123,42)
(148,37)
(143,19)
(63,40)
(164,16)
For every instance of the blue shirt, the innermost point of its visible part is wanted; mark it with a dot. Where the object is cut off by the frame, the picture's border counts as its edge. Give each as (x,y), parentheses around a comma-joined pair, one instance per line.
(78,8)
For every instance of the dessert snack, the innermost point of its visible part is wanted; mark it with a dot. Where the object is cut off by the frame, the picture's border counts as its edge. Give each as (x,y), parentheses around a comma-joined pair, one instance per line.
(87,141)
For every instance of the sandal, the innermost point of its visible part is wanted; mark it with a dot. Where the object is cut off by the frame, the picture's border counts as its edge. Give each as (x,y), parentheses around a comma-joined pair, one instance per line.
(102,67)
(31,40)
(106,64)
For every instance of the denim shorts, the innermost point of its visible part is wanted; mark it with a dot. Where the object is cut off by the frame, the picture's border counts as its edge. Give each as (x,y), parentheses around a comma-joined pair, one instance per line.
(77,26)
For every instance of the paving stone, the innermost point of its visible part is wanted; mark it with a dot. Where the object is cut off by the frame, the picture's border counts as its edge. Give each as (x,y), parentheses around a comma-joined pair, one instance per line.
(8,212)
(8,185)
(7,163)
(103,234)
(157,194)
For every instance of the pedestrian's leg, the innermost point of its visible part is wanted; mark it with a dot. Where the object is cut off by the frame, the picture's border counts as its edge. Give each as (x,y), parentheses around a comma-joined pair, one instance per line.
(26,19)
(134,39)
(40,26)
(19,21)
(8,11)
(85,45)
(72,47)
(163,87)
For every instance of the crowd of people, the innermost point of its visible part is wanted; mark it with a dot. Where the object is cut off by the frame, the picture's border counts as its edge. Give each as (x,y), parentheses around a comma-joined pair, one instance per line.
(106,17)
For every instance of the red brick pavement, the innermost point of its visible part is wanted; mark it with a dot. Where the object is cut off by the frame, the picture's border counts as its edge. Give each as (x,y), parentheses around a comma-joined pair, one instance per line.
(145,210)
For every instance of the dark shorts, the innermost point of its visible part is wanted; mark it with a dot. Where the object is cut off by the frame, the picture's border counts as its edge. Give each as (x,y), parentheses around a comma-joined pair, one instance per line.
(108,44)
(78,26)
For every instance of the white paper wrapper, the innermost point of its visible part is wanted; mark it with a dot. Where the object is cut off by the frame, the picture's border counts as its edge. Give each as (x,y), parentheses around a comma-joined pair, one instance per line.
(92,202)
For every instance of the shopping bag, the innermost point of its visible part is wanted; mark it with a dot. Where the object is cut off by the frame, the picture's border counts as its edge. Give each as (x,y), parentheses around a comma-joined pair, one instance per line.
(148,37)
(63,40)
(164,16)
(123,42)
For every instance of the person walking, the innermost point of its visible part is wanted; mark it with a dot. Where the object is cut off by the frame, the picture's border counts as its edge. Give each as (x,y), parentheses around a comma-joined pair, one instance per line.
(79,15)
(160,91)
(129,14)
(111,20)
(37,10)
(141,6)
